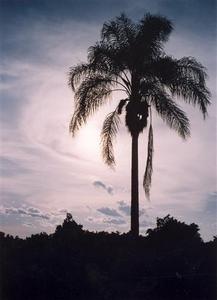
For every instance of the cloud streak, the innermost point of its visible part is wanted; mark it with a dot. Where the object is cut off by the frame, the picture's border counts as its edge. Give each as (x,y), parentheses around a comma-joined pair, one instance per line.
(109,211)
(115,221)
(32,212)
(100,184)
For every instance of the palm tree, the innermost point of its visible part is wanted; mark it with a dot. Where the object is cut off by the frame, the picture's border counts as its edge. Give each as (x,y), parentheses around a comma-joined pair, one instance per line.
(130,58)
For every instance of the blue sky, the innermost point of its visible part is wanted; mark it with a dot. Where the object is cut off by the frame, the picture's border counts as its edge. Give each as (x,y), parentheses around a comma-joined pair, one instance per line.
(44,172)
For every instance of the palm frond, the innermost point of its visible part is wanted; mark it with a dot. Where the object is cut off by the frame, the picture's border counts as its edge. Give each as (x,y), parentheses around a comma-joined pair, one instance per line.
(167,69)
(119,32)
(90,95)
(163,67)
(184,78)
(75,123)
(105,57)
(101,57)
(170,113)
(149,165)
(153,31)
(156,27)
(109,131)
(77,73)
(108,61)
(190,67)
(192,92)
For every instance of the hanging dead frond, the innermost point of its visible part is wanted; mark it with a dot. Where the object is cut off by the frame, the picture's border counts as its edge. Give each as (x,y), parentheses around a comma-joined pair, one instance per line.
(149,166)
(121,105)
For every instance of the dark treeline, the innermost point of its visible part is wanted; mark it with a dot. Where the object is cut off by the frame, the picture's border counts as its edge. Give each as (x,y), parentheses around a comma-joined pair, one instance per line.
(170,262)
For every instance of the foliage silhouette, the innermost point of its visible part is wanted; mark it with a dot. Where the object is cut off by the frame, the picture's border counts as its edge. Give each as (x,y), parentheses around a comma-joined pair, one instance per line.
(130,58)
(175,232)
(171,262)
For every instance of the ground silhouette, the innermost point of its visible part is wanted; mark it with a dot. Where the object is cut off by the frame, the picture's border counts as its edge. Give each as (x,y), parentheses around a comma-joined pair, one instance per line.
(170,262)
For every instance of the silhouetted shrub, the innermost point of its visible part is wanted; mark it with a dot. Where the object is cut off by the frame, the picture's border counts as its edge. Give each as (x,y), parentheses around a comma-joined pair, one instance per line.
(170,232)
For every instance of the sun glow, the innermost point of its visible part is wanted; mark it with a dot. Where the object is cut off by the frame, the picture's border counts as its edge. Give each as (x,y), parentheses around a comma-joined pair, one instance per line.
(88,141)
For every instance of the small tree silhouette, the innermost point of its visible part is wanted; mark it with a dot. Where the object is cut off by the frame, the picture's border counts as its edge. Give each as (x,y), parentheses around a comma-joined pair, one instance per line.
(69,227)
(170,231)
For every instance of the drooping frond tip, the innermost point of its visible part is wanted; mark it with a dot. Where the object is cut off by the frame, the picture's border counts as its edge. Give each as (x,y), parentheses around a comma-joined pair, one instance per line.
(149,165)
(74,124)
(109,131)
(76,74)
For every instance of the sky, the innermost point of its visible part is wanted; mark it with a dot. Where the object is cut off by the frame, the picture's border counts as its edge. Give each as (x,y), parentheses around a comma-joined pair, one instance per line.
(46,173)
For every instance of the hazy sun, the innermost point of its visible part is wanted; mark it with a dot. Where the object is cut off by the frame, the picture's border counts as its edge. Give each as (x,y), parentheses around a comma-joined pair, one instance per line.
(88,141)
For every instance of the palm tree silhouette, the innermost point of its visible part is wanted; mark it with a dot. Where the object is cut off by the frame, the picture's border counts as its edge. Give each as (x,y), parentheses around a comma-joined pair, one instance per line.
(130,58)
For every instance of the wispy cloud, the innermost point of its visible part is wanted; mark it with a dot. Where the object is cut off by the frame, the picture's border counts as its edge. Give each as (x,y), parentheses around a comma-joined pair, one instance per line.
(109,211)
(115,221)
(124,208)
(100,184)
(32,212)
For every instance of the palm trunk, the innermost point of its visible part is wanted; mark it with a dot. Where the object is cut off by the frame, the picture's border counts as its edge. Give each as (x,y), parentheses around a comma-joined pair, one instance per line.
(134,187)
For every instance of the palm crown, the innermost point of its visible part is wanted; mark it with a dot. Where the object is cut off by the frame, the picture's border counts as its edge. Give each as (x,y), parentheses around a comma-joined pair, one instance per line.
(130,58)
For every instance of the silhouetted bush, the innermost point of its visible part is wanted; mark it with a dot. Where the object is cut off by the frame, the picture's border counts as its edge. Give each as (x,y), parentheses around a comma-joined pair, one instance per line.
(171,262)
